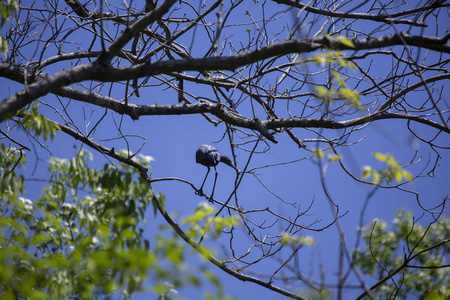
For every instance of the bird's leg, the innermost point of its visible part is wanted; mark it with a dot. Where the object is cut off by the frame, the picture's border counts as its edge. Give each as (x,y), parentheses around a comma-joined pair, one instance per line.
(200,191)
(214,186)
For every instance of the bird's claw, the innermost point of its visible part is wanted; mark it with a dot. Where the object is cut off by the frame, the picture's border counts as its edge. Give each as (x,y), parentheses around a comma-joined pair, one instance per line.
(201,194)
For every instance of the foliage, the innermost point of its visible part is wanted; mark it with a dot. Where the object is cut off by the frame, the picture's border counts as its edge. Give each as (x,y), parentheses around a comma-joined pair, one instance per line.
(391,170)
(201,222)
(84,236)
(304,240)
(38,124)
(337,89)
(388,249)
(331,156)
(6,7)
(296,91)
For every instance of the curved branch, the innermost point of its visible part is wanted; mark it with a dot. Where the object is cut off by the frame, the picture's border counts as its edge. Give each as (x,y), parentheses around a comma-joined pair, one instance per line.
(211,258)
(332,124)
(225,114)
(144,174)
(219,110)
(156,14)
(414,86)
(389,19)
(403,266)
(98,71)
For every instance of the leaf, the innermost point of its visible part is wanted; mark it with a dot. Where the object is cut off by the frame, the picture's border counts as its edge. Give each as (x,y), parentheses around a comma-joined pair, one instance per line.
(351,65)
(337,77)
(397,173)
(376,177)
(41,238)
(4,46)
(408,176)
(38,123)
(321,92)
(308,241)
(333,157)
(435,295)
(291,239)
(391,161)
(346,41)
(367,171)
(380,156)
(320,59)
(318,153)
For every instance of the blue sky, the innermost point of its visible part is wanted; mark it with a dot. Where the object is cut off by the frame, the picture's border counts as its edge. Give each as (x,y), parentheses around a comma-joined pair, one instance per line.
(173,140)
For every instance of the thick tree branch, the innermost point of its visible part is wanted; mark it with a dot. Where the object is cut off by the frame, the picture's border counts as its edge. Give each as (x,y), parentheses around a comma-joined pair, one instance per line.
(98,71)
(45,85)
(282,48)
(331,124)
(223,113)
(154,15)
(219,110)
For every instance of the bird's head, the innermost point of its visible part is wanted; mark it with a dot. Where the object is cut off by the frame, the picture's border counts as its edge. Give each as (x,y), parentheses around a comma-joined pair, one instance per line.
(226,160)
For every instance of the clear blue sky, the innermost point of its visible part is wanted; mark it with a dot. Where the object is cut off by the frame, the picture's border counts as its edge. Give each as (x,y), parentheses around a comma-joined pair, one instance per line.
(173,140)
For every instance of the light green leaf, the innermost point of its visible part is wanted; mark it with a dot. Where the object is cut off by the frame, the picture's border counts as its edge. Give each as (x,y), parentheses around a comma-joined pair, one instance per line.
(367,171)
(318,153)
(380,156)
(376,177)
(4,46)
(346,41)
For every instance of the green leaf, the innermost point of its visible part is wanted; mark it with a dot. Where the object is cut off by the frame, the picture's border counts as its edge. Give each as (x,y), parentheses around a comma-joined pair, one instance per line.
(308,241)
(346,41)
(367,171)
(291,239)
(318,153)
(34,121)
(333,157)
(380,156)
(386,246)
(376,177)
(408,176)
(4,46)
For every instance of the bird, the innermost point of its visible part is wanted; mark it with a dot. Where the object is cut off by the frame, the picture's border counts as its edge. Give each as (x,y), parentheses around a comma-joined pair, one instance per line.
(209,156)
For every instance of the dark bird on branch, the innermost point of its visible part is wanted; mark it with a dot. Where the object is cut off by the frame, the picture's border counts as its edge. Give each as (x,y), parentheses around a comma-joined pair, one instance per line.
(209,156)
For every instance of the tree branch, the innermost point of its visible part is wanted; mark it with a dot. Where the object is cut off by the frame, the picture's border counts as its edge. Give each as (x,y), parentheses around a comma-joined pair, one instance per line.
(412,87)
(365,16)
(403,266)
(156,14)
(98,71)
(143,171)
(222,112)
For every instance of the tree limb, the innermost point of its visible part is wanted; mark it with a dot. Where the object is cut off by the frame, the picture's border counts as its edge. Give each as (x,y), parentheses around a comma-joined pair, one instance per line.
(389,19)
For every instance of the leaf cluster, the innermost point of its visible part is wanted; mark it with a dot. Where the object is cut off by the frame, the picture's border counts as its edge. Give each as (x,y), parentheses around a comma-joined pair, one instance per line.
(337,89)
(392,170)
(6,7)
(38,124)
(83,237)
(203,219)
(412,248)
